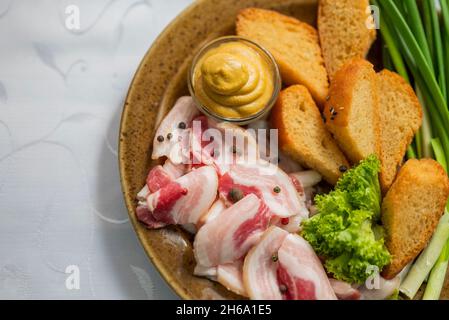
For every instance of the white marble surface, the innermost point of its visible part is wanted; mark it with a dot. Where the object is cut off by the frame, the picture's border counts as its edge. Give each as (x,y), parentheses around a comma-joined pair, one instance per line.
(61,96)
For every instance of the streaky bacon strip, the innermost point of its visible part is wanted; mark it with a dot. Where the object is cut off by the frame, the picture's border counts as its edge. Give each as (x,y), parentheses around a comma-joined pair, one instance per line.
(301,275)
(385,290)
(158,178)
(232,233)
(268,182)
(208,272)
(175,170)
(202,150)
(344,291)
(231,277)
(216,144)
(292,224)
(176,124)
(144,215)
(213,212)
(202,185)
(182,201)
(259,269)
(161,205)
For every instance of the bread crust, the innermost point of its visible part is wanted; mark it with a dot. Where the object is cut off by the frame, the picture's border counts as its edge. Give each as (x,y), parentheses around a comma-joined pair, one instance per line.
(294,44)
(395,135)
(411,211)
(302,134)
(352,113)
(343,32)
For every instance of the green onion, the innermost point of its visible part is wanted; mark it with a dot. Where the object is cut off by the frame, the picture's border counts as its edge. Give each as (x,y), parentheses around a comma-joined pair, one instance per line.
(439,153)
(439,56)
(437,276)
(438,273)
(427,17)
(426,259)
(416,25)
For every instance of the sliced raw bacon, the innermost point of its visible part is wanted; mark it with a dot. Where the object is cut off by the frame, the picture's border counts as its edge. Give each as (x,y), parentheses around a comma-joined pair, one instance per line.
(158,178)
(266,181)
(344,291)
(208,272)
(186,199)
(384,290)
(203,141)
(143,194)
(231,277)
(292,224)
(232,233)
(161,203)
(220,144)
(144,215)
(259,270)
(213,212)
(172,138)
(175,170)
(301,275)
(307,179)
(287,164)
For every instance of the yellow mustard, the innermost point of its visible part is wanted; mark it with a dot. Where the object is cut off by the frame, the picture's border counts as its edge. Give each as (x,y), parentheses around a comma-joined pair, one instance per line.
(233,80)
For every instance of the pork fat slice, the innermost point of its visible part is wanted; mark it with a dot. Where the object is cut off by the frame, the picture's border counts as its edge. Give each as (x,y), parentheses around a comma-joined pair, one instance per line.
(184,200)
(232,233)
(259,269)
(301,275)
(172,138)
(266,181)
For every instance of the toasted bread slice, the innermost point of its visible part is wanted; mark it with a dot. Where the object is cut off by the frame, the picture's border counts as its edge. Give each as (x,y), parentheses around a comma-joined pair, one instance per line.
(352,113)
(343,30)
(303,136)
(294,44)
(411,211)
(400,118)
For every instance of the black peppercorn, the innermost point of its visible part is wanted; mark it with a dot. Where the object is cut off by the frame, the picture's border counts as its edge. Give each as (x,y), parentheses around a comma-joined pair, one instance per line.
(160,139)
(343,169)
(235,195)
(182,125)
(277,190)
(169,136)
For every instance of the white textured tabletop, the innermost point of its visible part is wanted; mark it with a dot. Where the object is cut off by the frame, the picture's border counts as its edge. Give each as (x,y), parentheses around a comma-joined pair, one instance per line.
(65,68)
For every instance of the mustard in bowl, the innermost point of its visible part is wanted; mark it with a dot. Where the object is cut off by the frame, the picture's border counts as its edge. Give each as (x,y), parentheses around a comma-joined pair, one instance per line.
(234,79)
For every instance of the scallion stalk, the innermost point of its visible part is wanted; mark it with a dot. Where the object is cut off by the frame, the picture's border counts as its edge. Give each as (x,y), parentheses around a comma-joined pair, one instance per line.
(417,27)
(437,276)
(426,260)
(439,153)
(439,56)
(438,273)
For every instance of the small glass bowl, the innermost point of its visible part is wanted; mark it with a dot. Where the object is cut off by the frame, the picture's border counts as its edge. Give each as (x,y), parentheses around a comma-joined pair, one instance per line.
(277,82)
